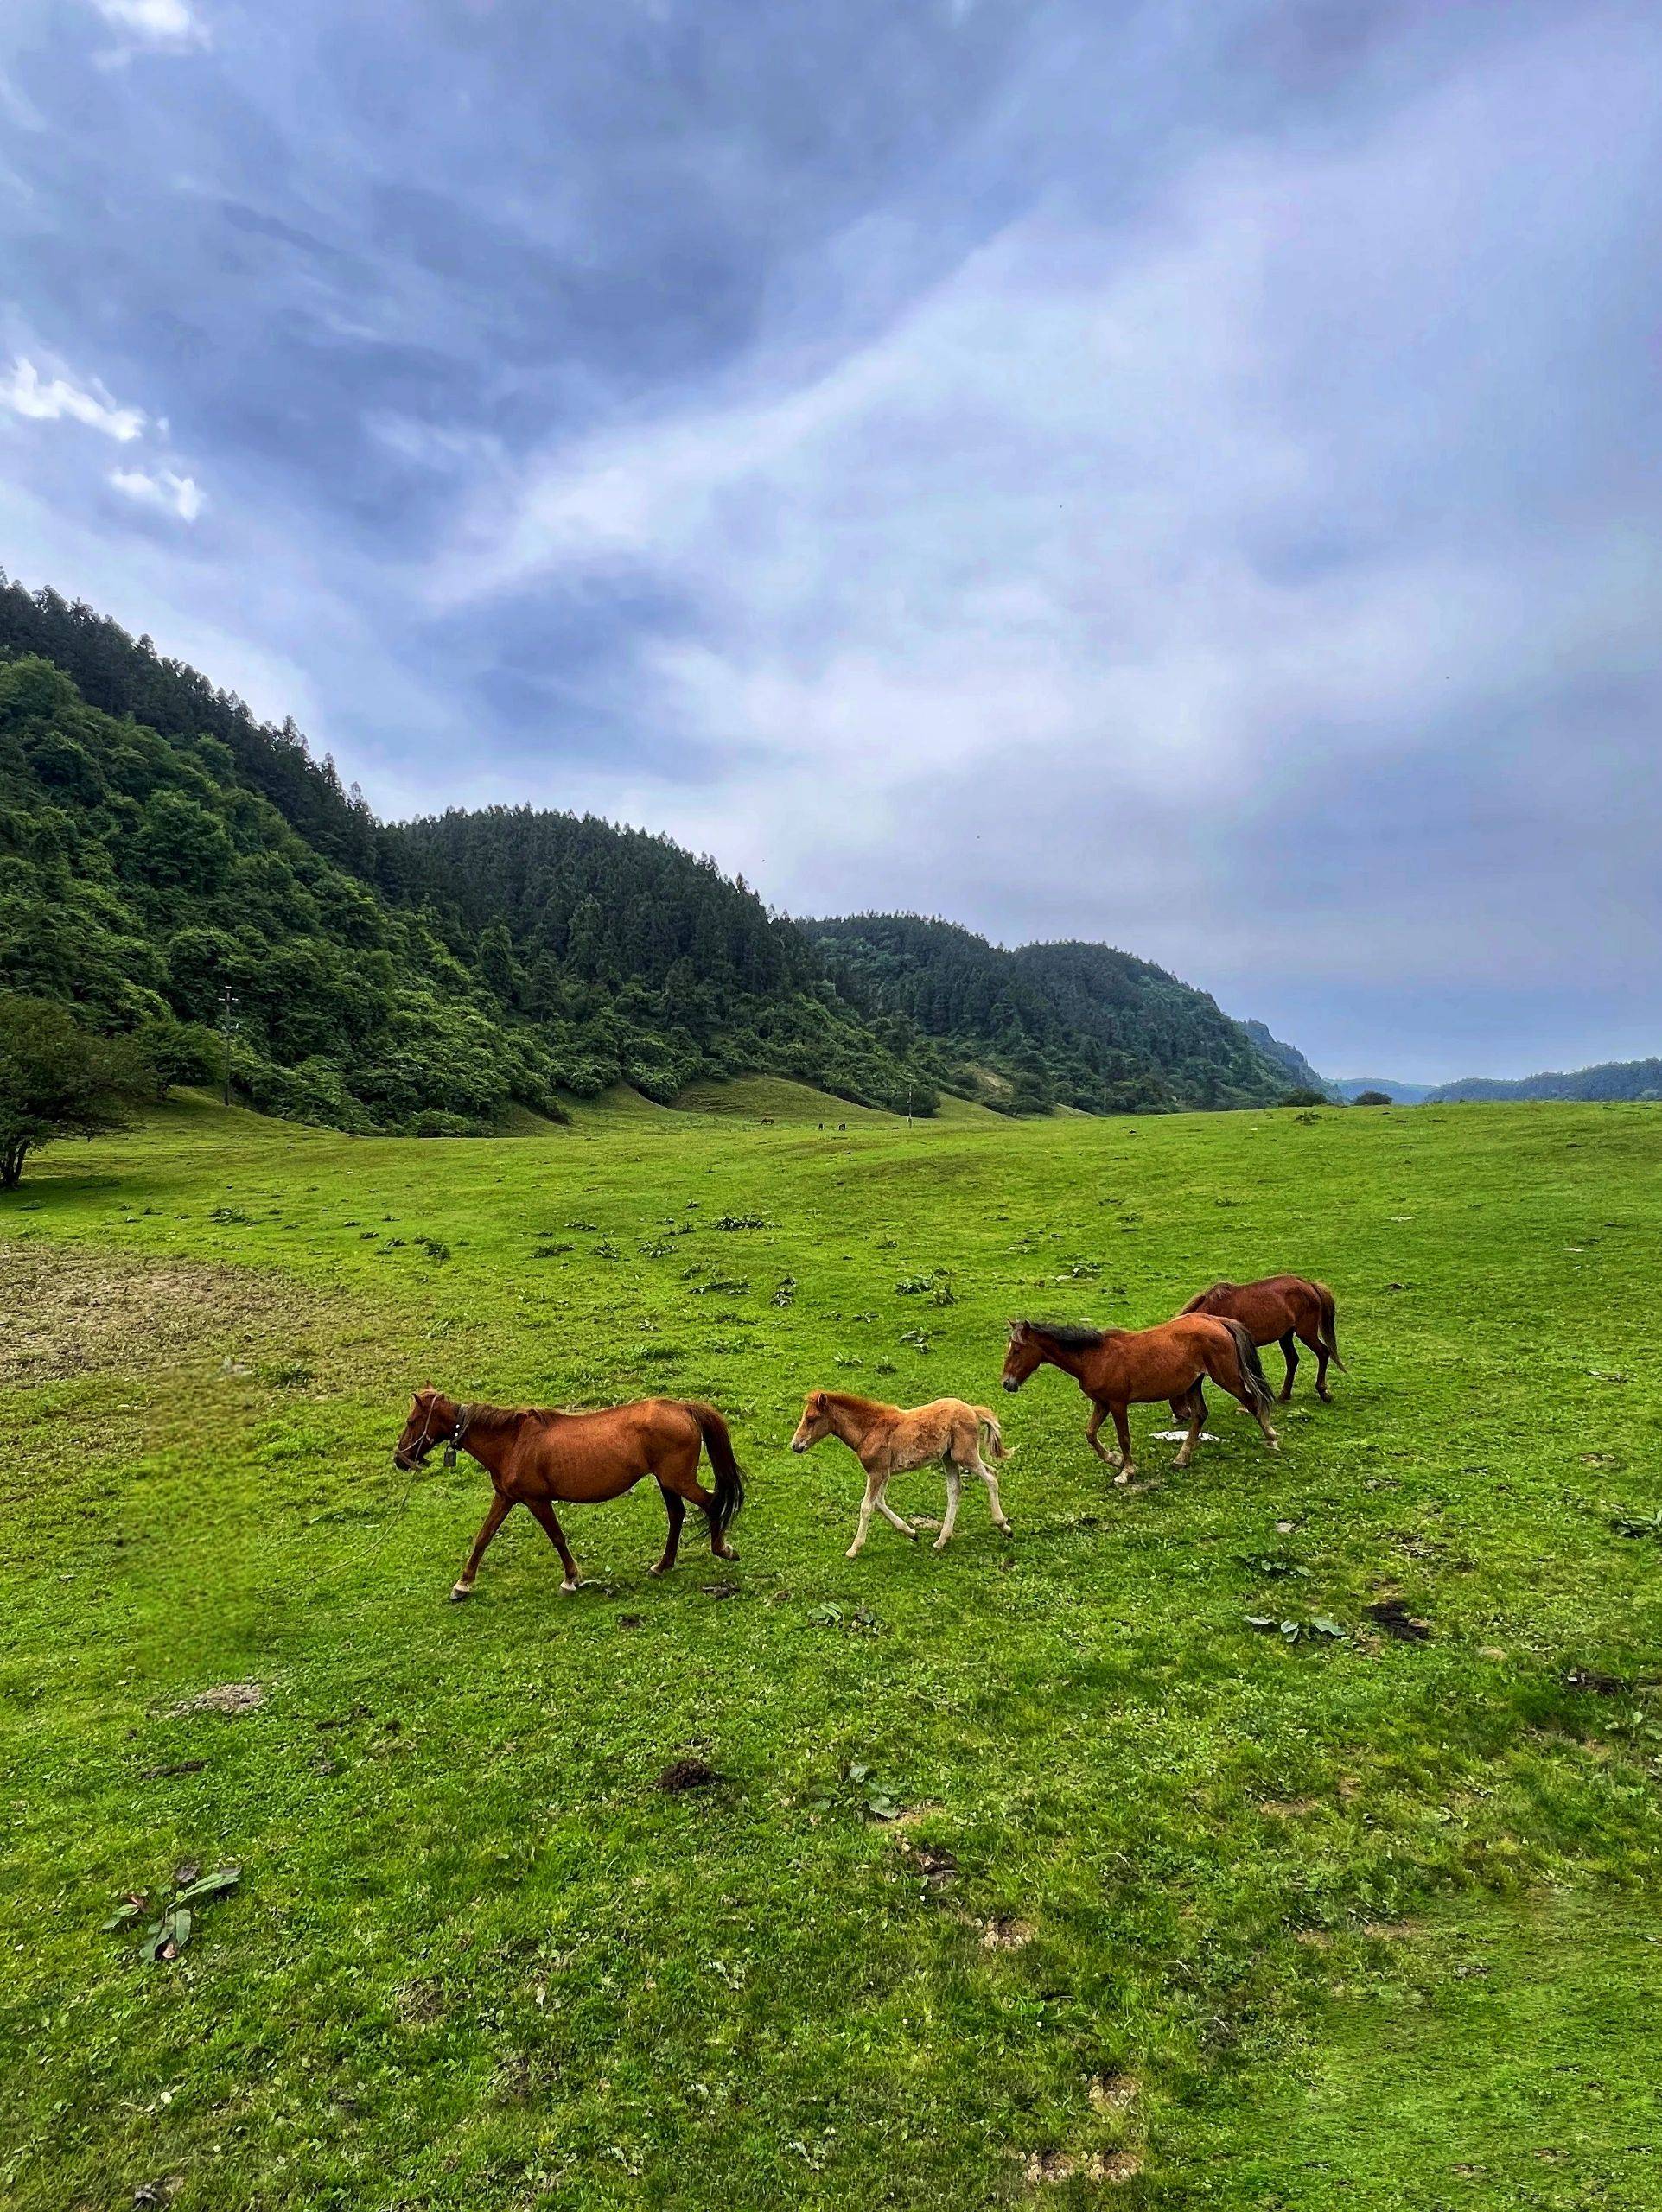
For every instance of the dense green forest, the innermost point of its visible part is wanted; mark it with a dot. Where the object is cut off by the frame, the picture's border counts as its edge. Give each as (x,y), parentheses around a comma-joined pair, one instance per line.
(1049,1024)
(1611,1079)
(161,846)
(158,845)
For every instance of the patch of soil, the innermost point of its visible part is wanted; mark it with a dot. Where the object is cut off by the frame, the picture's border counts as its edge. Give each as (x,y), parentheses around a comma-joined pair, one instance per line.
(1052,2166)
(1113,2091)
(232,1699)
(71,1312)
(687,1774)
(1601,1685)
(1002,1933)
(1393,1617)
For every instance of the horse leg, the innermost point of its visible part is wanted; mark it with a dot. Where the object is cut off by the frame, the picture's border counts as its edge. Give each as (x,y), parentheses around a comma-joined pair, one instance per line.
(873,1497)
(500,1507)
(978,1466)
(676,1508)
(684,1481)
(1123,1430)
(545,1513)
(1322,1355)
(1194,1407)
(889,1515)
(1289,1353)
(1099,1413)
(954,1488)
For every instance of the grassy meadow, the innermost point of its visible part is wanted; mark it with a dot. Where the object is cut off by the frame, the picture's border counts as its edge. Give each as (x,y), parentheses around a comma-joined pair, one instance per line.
(1172,1911)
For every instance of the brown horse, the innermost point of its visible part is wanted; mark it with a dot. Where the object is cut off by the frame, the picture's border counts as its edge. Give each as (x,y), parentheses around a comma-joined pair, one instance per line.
(890,1441)
(536,1455)
(1119,1368)
(1275,1311)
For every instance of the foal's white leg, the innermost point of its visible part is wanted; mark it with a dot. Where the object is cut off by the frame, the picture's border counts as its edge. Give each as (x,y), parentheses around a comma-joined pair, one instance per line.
(954,1485)
(873,1497)
(978,1466)
(890,1514)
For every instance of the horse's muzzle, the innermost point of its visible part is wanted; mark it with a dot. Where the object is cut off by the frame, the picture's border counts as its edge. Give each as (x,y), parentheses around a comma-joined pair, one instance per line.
(1010,1383)
(795,1446)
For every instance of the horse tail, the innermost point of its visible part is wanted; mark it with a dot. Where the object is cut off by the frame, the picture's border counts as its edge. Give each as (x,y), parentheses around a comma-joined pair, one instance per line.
(1251,1367)
(1329,1332)
(729,1483)
(988,1420)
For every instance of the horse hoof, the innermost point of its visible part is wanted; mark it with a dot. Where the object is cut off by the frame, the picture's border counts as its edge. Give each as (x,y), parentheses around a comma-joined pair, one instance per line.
(1123,1477)
(459,1592)
(1005,1528)
(939,1544)
(658,1568)
(853,1552)
(566,1588)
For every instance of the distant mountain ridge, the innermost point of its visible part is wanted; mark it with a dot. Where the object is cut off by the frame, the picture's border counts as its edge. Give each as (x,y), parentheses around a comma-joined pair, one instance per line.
(1401,1094)
(1049,1025)
(1610,1080)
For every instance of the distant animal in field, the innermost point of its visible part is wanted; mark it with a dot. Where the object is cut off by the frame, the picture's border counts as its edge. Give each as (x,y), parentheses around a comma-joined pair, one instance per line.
(890,1441)
(1120,1368)
(537,1455)
(1277,1310)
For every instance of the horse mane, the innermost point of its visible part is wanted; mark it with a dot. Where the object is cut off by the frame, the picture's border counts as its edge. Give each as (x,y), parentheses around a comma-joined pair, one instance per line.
(856,1405)
(490,1419)
(1073,1336)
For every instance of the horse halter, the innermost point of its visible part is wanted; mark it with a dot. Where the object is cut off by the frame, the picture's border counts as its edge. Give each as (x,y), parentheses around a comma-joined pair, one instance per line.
(424,1443)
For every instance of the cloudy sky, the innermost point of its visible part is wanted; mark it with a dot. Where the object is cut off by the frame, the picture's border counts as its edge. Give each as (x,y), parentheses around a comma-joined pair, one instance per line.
(1185,474)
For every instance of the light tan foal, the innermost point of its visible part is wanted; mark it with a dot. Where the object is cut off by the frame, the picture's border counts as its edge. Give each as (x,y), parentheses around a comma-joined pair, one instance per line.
(890,1441)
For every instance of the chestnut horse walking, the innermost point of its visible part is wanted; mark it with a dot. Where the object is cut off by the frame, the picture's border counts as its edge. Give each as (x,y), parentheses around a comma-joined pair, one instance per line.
(1276,1309)
(1119,1368)
(535,1455)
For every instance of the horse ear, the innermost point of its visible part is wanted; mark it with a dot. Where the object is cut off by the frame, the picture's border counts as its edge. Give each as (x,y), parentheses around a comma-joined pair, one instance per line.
(1017,1331)
(817,1402)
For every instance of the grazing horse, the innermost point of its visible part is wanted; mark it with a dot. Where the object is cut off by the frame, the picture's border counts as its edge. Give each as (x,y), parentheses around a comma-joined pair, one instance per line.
(890,1441)
(1275,1311)
(536,1455)
(1117,1368)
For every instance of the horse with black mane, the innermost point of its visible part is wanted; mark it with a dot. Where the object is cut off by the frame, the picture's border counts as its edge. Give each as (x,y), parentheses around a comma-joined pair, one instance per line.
(1275,1310)
(535,1455)
(1120,1368)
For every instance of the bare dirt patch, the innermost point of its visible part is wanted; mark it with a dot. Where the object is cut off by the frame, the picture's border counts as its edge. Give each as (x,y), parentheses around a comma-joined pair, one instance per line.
(73,1312)
(232,1699)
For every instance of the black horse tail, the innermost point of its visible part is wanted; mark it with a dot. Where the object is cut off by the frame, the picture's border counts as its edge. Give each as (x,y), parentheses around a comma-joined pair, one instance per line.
(1329,1333)
(1252,1366)
(729,1483)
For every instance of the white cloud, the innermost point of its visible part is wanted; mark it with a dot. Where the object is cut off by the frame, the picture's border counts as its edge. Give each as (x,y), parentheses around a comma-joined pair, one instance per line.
(56,400)
(168,492)
(163,22)
(1129,544)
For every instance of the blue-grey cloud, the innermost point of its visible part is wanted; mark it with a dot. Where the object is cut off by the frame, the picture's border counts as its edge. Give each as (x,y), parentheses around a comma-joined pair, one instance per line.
(1187,476)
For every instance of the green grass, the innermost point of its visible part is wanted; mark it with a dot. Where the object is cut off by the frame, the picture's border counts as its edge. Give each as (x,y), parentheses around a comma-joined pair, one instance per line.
(1139,1936)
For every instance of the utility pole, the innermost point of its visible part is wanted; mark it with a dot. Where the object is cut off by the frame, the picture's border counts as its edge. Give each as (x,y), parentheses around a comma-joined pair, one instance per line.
(227,1001)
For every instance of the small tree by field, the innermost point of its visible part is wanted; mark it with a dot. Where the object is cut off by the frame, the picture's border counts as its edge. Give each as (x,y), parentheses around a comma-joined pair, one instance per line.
(1373,1098)
(1303,1097)
(56,1080)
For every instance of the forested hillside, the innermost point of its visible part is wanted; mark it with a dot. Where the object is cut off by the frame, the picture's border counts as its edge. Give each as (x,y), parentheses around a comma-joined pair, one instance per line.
(1611,1079)
(1074,1025)
(160,845)
(1292,1063)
